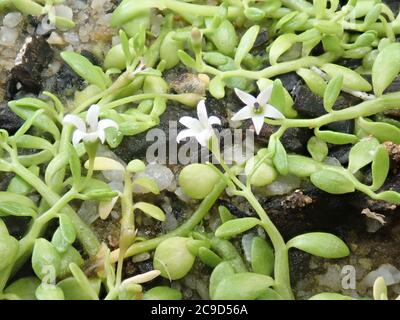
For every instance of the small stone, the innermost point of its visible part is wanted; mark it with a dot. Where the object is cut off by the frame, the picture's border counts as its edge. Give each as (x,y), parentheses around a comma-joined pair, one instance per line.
(71,37)
(389,272)
(64,11)
(161,174)
(98,4)
(12,19)
(8,36)
(55,39)
(9,120)
(89,211)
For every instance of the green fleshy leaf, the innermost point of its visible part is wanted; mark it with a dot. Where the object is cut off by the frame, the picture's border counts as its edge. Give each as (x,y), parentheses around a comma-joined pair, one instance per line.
(162,293)
(151,210)
(84,68)
(224,269)
(380,130)
(280,159)
(362,153)
(209,257)
(386,67)
(332,92)
(235,227)
(332,181)
(246,43)
(262,257)
(380,167)
(351,79)
(317,148)
(242,286)
(320,244)
(330,296)
(45,259)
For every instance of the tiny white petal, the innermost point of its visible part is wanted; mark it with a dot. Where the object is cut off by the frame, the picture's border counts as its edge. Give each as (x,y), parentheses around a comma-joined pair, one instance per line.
(264,96)
(92,116)
(272,112)
(191,123)
(203,137)
(184,134)
(246,98)
(102,135)
(107,123)
(91,137)
(77,136)
(258,122)
(75,121)
(243,114)
(202,113)
(214,120)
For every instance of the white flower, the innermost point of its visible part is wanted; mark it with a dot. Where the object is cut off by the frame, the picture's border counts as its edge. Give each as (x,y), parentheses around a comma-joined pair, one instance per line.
(93,129)
(257,109)
(200,128)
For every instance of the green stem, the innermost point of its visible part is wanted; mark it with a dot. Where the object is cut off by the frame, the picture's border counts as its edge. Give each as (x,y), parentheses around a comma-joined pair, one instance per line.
(364,109)
(84,233)
(127,225)
(182,231)
(128,9)
(229,253)
(27,242)
(281,269)
(275,70)
(121,82)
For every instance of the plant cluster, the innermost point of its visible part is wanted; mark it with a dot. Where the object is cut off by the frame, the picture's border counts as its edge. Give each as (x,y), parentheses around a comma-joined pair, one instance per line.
(129,94)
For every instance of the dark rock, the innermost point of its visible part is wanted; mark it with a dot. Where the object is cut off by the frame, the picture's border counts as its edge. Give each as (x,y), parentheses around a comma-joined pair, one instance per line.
(145,266)
(34,56)
(261,39)
(9,120)
(326,212)
(91,57)
(340,152)
(232,208)
(67,81)
(295,214)
(350,63)
(16,226)
(33,21)
(309,105)
(318,50)
(133,147)
(394,86)
(290,81)
(294,139)
(299,264)
(393,5)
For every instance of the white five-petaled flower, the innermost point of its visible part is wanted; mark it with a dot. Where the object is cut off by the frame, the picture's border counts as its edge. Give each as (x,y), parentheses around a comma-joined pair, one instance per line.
(93,129)
(200,128)
(257,109)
